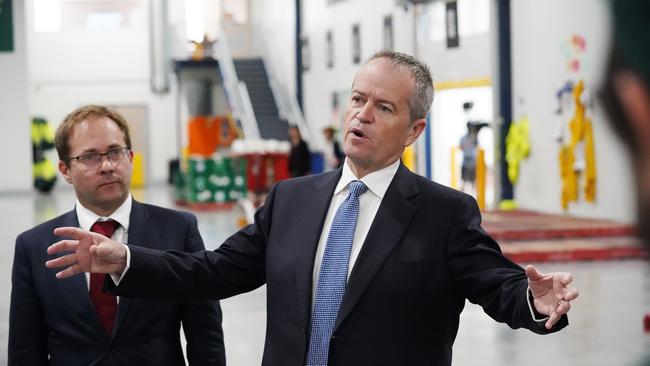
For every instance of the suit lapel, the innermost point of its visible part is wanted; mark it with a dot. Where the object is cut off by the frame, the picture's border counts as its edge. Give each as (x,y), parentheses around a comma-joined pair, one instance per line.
(310,224)
(138,232)
(388,227)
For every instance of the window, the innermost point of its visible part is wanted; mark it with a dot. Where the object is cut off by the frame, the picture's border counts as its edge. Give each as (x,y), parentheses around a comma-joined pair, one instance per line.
(305,53)
(94,15)
(356,44)
(388,32)
(329,51)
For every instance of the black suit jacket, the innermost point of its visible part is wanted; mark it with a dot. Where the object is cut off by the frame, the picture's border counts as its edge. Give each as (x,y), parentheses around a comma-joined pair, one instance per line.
(424,255)
(52,322)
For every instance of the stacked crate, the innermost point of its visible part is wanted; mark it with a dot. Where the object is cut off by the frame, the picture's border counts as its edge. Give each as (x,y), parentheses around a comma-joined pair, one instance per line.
(217,179)
(208,173)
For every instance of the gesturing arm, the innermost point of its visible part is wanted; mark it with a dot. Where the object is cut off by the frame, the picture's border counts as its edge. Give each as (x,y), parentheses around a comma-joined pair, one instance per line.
(237,266)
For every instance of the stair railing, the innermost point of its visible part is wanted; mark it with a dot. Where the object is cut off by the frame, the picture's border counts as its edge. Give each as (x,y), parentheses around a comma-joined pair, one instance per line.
(236,90)
(287,103)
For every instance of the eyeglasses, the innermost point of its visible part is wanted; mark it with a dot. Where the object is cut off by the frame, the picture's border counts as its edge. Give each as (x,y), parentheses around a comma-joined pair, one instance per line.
(92,160)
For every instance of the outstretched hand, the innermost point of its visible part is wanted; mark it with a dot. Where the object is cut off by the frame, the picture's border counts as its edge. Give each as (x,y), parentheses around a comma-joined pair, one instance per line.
(91,252)
(552,295)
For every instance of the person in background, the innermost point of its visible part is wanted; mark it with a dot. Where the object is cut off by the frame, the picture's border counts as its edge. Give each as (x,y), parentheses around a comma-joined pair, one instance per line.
(468,145)
(626,95)
(334,157)
(369,264)
(299,156)
(73,322)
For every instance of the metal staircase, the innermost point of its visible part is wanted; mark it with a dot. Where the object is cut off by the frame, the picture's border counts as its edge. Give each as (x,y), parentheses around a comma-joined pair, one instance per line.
(252,72)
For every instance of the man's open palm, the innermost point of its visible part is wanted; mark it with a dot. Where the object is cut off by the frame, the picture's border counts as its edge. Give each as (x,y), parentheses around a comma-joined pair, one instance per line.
(551,293)
(91,252)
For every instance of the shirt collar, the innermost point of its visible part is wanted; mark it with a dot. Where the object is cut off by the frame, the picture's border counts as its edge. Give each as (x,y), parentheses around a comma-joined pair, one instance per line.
(122,215)
(377,181)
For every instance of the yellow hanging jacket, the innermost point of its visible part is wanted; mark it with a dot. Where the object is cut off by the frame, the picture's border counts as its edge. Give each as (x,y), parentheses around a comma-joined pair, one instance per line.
(580,128)
(517,147)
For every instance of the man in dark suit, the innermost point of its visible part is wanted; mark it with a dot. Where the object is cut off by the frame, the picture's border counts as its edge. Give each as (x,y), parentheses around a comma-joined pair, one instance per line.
(72,322)
(366,265)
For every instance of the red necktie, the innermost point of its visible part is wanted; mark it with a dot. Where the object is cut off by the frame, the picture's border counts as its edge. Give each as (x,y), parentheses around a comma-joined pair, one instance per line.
(105,304)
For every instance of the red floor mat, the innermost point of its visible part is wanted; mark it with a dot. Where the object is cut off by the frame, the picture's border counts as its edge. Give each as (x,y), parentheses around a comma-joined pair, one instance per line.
(526,225)
(527,236)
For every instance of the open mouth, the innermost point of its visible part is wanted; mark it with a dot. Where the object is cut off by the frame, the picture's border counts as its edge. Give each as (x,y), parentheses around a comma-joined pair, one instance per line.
(357,132)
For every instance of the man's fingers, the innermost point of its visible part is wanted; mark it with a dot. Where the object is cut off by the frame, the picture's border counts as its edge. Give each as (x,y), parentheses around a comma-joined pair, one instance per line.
(571,294)
(566,279)
(563,308)
(552,319)
(64,261)
(77,233)
(69,231)
(68,272)
(532,273)
(62,246)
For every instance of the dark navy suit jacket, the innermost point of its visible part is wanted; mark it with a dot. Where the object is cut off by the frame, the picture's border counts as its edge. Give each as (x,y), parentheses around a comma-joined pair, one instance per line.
(52,322)
(424,255)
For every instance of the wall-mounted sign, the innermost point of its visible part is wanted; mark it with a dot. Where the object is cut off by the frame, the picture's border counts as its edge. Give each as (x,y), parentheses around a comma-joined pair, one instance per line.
(451,22)
(388,32)
(6,27)
(306,54)
(356,44)
(329,49)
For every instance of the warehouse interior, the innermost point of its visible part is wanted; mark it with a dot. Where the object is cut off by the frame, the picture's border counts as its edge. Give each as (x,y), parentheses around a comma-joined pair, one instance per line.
(211,87)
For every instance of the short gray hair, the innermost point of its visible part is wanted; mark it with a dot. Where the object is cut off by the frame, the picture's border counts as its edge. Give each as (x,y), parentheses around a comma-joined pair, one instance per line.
(422,97)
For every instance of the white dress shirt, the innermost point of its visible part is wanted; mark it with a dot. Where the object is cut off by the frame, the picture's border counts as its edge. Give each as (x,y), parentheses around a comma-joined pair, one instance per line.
(122,215)
(377,183)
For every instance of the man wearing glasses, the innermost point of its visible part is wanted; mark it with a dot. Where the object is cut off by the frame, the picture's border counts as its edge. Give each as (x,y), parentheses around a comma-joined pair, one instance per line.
(73,322)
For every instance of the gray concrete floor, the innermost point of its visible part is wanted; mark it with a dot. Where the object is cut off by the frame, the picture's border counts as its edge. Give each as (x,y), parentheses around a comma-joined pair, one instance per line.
(606,321)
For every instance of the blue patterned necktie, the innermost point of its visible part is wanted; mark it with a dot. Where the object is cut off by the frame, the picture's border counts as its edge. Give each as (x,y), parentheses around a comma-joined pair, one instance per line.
(333,275)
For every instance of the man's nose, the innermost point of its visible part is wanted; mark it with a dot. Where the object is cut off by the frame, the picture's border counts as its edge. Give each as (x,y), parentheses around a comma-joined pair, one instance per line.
(106,163)
(365,114)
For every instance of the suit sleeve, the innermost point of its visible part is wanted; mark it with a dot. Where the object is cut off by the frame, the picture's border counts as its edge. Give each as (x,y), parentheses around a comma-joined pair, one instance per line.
(485,276)
(237,266)
(27,328)
(202,320)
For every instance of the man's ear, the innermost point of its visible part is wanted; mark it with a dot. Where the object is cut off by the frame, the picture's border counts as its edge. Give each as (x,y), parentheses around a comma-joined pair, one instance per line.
(415,131)
(64,169)
(634,97)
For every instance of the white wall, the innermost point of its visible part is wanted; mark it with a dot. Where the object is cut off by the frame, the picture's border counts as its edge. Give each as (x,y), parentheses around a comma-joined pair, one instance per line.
(76,66)
(320,82)
(539,70)
(473,57)
(472,60)
(15,139)
(276,20)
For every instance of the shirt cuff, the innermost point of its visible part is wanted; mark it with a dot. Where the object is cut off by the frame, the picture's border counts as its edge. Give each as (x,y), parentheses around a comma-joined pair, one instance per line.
(537,317)
(117,279)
